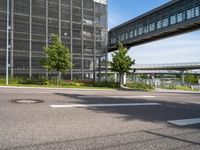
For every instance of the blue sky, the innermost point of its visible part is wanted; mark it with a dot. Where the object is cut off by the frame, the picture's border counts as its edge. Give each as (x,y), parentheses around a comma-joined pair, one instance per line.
(178,49)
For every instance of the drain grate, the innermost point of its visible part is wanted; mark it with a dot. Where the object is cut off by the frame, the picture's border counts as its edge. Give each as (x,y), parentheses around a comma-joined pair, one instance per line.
(27,101)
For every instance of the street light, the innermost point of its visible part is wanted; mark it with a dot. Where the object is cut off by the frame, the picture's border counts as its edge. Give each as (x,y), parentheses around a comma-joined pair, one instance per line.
(7,41)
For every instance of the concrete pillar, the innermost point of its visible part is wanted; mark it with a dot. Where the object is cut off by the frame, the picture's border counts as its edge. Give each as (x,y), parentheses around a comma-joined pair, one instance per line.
(99,69)
(71,38)
(47,35)
(182,77)
(12,38)
(30,41)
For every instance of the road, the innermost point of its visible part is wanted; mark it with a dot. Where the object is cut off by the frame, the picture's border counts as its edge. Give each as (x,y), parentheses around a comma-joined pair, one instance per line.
(72,119)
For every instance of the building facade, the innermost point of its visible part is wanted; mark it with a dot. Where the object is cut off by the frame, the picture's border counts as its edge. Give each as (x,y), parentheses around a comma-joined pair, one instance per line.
(81,25)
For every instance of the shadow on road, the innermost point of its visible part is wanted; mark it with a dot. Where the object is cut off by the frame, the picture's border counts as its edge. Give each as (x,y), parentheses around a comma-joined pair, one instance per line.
(158,113)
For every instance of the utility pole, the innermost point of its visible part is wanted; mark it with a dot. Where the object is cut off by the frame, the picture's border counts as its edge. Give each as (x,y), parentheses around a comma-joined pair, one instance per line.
(7,41)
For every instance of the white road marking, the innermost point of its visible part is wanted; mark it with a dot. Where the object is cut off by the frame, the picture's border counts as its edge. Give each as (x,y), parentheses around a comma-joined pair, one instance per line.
(97,96)
(103,105)
(185,122)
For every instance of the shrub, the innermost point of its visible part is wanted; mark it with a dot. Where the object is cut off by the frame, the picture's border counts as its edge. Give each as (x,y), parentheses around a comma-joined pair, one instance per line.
(107,84)
(139,86)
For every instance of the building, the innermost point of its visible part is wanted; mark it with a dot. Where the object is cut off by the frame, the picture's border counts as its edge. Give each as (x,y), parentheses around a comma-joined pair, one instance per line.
(81,24)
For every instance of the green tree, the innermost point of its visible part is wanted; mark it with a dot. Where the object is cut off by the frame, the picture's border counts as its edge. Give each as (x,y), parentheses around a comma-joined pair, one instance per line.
(58,57)
(190,78)
(121,62)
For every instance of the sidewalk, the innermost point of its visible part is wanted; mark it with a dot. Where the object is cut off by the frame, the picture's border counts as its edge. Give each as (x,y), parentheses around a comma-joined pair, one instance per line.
(175,91)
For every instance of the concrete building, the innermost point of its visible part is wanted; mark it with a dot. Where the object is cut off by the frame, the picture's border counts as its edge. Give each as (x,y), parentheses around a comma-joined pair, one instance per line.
(81,24)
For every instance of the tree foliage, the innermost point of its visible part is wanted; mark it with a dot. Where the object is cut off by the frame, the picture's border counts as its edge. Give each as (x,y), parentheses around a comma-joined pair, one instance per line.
(192,79)
(58,56)
(121,61)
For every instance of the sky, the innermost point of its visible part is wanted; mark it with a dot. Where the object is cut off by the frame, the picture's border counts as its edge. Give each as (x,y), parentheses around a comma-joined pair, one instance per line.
(179,49)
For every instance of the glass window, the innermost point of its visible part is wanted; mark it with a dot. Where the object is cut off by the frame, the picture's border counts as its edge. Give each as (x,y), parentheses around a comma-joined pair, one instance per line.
(146,29)
(159,24)
(190,13)
(122,37)
(126,36)
(114,40)
(165,22)
(119,38)
(140,30)
(173,19)
(197,11)
(152,27)
(180,17)
(135,32)
(131,34)
(111,41)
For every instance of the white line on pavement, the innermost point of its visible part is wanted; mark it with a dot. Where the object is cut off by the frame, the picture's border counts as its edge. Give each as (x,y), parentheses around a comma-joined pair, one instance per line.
(185,122)
(98,96)
(104,105)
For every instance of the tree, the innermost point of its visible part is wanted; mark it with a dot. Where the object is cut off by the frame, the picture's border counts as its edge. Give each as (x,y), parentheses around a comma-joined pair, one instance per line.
(190,78)
(121,62)
(58,57)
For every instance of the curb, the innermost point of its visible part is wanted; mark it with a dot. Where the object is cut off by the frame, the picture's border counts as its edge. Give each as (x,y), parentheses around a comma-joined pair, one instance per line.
(47,88)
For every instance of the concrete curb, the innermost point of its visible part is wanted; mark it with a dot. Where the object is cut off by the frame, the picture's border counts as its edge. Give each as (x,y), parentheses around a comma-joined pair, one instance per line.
(46,88)
(175,91)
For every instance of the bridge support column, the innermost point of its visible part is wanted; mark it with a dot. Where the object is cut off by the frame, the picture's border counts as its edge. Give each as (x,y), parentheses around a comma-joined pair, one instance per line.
(182,77)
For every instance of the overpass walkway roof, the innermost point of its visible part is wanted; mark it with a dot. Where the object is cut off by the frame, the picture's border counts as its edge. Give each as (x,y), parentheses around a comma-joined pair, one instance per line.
(174,66)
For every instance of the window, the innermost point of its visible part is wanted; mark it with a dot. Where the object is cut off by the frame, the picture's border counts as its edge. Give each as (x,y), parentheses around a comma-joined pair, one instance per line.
(146,29)
(126,36)
(165,22)
(135,32)
(113,40)
(152,27)
(159,24)
(140,30)
(119,38)
(173,19)
(197,11)
(190,13)
(122,37)
(131,34)
(180,17)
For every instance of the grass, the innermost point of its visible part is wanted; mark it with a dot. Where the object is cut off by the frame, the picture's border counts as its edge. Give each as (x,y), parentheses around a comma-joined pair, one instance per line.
(179,87)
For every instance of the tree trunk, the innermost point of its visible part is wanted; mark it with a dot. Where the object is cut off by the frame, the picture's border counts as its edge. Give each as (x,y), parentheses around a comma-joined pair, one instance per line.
(58,78)
(120,80)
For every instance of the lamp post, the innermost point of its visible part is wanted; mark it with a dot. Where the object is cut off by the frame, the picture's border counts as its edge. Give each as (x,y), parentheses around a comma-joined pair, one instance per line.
(7,41)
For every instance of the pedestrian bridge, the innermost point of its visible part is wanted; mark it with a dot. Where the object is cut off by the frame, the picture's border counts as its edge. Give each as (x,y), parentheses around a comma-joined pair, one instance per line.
(173,18)
(175,66)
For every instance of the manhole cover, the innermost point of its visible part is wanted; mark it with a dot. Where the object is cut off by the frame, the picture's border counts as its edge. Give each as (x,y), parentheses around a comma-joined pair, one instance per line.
(26,101)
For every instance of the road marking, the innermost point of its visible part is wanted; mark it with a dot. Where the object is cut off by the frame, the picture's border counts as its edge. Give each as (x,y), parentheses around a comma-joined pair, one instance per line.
(103,105)
(97,96)
(185,122)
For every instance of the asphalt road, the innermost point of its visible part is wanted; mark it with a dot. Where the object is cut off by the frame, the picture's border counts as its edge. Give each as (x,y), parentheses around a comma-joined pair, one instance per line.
(86,125)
